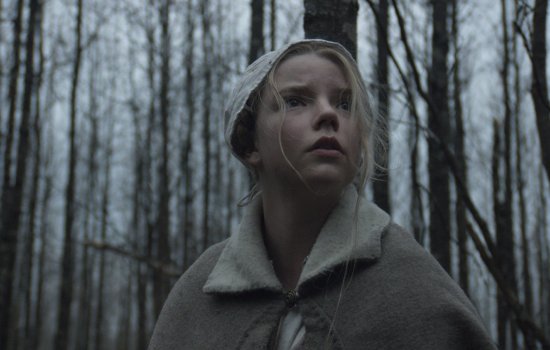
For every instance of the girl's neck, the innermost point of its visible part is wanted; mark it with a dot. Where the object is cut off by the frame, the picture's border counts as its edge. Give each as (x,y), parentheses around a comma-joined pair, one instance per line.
(291,224)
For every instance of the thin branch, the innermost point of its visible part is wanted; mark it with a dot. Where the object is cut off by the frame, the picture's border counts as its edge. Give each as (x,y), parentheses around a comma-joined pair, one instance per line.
(169,270)
(525,42)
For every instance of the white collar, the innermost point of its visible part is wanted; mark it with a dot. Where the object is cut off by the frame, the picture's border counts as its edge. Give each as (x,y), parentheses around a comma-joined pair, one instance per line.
(244,264)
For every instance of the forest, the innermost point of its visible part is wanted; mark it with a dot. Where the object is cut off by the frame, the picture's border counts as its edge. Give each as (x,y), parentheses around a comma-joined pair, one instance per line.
(115,175)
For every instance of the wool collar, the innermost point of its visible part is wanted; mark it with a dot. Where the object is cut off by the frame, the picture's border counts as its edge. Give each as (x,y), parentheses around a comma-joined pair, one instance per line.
(244,264)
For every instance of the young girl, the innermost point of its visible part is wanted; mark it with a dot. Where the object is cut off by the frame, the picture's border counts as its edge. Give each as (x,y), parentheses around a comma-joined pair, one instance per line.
(312,265)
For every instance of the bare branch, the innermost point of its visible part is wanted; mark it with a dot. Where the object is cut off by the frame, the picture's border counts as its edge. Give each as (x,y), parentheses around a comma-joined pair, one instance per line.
(169,270)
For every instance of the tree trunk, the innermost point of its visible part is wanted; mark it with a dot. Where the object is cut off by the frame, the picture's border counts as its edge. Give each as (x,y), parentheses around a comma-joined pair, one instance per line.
(67,267)
(100,321)
(12,196)
(36,336)
(273,24)
(139,222)
(10,133)
(162,282)
(44,215)
(85,295)
(462,237)
(33,202)
(332,20)
(438,121)
(381,183)
(188,147)
(529,340)
(256,30)
(539,87)
(505,235)
(206,46)
(543,256)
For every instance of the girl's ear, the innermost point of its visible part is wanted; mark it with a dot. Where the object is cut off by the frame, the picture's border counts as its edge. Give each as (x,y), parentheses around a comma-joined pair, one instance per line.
(253,158)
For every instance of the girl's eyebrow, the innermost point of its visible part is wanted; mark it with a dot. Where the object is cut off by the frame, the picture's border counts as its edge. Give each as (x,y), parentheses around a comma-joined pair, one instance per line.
(296,89)
(306,90)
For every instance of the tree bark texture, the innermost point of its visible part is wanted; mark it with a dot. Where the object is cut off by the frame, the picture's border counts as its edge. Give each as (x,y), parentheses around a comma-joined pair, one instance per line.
(206,46)
(438,122)
(100,321)
(460,210)
(12,196)
(257,45)
(67,264)
(188,146)
(332,20)
(162,282)
(503,213)
(273,24)
(10,213)
(29,262)
(529,340)
(381,183)
(539,87)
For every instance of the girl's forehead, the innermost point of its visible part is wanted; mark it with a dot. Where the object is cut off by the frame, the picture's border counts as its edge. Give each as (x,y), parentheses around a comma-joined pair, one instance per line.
(307,67)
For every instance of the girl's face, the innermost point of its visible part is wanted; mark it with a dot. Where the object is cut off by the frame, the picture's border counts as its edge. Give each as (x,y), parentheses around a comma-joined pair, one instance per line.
(319,138)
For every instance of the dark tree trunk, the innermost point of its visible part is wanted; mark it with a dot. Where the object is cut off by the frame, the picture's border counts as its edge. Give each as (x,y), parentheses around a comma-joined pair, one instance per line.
(162,282)
(381,183)
(139,221)
(256,31)
(67,265)
(29,263)
(529,340)
(12,196)
(332,20)
(539,87)
(438,120)
(85,295)
(543,256)
(206,46)
(188,146)
(273,24)
(100,321)
(462,237)
(44,212)
(503,214)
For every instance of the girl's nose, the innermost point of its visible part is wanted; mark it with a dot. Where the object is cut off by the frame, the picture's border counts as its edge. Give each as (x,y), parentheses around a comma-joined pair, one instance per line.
(326,116)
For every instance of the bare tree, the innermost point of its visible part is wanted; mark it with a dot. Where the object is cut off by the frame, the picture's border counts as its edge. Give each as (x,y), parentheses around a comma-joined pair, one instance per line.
(256,30)
(539,87)
(188,145)
(273,23)
(100,321)
(9,223)
(332,20)
(12,195)
(503,193)
(439,124)
(206,46)
(460,210)
(67,265)
(28,258)
(520,185)
(162,283)
(381,183)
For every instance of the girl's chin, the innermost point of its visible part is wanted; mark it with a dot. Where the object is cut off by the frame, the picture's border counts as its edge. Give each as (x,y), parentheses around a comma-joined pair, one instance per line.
(327,185)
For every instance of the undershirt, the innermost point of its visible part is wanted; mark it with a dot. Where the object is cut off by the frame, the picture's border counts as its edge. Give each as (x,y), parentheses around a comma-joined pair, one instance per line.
(292,331)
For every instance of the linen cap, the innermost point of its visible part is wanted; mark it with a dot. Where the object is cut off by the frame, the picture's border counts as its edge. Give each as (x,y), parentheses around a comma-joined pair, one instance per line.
(253,77)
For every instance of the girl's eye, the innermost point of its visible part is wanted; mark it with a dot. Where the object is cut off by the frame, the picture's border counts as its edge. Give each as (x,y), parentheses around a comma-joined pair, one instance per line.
(345,105)
(292,102)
